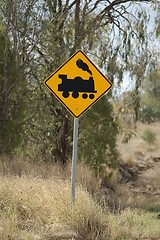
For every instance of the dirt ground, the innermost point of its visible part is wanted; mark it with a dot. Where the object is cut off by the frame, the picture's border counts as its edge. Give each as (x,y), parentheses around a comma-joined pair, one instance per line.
(143,159)
(150,176)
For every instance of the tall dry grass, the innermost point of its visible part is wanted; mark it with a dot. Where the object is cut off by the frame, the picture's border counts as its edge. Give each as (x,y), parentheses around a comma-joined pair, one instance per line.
(22,167)
(32,208)
(40,209)
(133,224)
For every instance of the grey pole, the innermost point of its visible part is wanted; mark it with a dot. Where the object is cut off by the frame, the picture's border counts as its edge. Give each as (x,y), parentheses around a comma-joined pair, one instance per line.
(74,160)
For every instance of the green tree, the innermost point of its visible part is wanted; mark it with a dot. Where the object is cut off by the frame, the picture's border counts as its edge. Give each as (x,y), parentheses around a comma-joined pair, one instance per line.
(17,31)
(11,102)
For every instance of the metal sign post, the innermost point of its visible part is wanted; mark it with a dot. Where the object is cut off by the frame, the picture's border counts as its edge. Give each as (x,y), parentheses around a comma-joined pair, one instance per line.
(78,84)
(74,159)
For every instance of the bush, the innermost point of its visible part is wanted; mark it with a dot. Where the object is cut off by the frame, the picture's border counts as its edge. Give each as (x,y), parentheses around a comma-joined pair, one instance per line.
(149,136)
(98,135)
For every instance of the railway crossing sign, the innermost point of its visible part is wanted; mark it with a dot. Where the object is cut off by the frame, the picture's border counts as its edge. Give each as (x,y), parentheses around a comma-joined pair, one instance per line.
(78,84)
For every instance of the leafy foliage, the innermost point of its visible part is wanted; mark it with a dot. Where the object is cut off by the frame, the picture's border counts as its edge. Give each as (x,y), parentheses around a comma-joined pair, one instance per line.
(98,134)
(11,102)
(150,99)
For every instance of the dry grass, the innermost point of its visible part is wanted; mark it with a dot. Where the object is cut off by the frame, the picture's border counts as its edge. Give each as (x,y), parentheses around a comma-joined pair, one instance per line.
(125,196)
(41,209)
(141,155)
(137,147)
(133,224)
(35,202)
(22,167)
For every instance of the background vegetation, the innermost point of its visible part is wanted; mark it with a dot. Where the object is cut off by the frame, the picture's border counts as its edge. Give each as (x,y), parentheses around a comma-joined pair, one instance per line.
(38,36)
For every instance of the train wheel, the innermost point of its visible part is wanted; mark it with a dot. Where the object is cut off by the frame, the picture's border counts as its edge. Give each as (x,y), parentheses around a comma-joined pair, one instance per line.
(84,95)
(75,94)
(91,96)
(65,94)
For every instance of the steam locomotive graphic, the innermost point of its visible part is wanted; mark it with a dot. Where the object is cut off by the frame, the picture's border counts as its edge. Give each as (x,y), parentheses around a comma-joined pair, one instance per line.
(75,86)
(78,84)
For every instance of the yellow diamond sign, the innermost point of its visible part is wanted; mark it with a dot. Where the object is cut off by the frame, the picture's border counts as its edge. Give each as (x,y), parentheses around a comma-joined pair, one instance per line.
(78,84)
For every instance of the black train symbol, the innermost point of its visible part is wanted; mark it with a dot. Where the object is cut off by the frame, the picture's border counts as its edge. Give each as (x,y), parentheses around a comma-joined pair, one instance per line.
(77,85)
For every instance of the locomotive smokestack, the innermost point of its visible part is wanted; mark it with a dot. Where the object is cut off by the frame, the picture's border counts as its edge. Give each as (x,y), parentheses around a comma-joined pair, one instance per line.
(83,66)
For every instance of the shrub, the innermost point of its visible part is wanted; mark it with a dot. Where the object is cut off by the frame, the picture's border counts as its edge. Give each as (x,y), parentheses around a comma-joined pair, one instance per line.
(98,135)
(149,136)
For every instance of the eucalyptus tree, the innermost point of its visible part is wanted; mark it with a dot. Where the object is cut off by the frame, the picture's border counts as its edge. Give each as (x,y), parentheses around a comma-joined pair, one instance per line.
(114,34)
(16,52)
(150,98)
(11,101)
